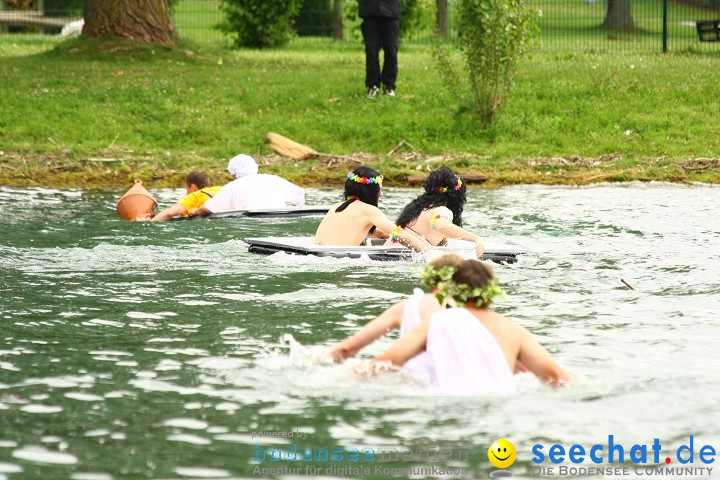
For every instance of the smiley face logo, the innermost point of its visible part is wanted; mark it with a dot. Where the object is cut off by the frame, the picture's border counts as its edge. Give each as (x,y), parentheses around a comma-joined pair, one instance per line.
(502,453)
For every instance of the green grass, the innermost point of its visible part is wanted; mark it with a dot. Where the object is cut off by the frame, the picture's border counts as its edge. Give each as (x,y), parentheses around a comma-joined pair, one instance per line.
(195,105)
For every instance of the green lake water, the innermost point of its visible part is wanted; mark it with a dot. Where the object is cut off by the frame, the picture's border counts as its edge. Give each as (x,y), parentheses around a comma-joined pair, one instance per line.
(137,350)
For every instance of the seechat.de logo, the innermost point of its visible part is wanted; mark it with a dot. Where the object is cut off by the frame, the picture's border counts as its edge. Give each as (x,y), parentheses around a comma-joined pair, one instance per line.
(502,454)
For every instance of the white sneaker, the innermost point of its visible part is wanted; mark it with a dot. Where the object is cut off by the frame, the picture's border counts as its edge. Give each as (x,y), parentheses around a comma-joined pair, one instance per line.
(390,92)
(373,92)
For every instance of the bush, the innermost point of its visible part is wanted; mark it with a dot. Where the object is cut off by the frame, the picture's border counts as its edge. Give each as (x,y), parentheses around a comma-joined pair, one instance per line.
(315,18)
(259,23)
(62,8)
(493,36)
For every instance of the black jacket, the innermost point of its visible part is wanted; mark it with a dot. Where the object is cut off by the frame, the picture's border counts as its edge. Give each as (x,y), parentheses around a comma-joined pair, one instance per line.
(380,8)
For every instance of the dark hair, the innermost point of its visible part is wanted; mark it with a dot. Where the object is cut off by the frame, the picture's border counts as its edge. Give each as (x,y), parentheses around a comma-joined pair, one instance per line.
(442,178)
(198,178)
(365,192)
(473,273)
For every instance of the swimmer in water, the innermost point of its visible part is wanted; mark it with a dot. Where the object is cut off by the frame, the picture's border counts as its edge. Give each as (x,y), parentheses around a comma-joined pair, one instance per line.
(358,217)
(436,215)
(470,347)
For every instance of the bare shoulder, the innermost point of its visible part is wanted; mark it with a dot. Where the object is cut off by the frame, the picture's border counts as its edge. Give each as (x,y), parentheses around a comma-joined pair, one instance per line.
(442,211)
(429,301)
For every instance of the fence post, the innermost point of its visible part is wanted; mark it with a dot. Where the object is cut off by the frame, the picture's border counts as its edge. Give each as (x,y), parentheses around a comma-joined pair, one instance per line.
(665,26)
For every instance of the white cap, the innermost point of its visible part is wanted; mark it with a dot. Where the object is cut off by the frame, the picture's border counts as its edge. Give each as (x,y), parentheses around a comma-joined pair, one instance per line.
(242,165)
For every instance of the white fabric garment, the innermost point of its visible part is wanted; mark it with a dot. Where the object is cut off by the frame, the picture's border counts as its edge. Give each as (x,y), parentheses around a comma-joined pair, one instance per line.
(256,192)
(465,357)
(418,365)
(242,165)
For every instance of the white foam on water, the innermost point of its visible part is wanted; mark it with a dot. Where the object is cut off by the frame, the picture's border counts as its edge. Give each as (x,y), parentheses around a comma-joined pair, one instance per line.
(42,455)
(110,353)
(65,381)
(144,316)
(9,366)
(227,406)
(190,423)
(202,472)
(37,408)
(218,429)
(10,468)
(187,438)
(84,397)
(329,293)
(90,476)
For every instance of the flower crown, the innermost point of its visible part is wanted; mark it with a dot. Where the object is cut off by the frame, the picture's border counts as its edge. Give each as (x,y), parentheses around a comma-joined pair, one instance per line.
(457,187)
(365,180)
(462,293)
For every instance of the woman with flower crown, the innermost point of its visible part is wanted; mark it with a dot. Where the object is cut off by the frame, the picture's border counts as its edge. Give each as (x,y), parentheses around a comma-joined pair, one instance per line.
(358,216)
(404,315)
(471,348)
(436,215)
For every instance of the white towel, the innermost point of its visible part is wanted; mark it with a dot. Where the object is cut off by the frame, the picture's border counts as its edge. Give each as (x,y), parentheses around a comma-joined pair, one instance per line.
(465,357)
(419,365)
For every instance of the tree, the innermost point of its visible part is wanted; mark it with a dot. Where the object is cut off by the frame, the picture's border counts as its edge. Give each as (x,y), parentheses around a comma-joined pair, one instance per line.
(619,16)
(338,22)
(147,21)
(443,18)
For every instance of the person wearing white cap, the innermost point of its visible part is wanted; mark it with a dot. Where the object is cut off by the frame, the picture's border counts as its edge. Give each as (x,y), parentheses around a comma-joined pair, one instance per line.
(251,190)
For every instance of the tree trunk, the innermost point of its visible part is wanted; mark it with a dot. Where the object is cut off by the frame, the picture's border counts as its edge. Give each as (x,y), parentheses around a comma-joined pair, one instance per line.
(147,21)
(619,16)
(443,18)
(338,23)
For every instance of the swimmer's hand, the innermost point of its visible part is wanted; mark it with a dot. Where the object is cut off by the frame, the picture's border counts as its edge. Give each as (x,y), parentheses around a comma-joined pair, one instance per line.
(479,248)
(370,368)
(326,357)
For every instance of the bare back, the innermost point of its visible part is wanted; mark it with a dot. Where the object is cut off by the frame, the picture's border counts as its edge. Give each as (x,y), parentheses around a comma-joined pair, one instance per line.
(520,347)
(423,225)
(349,227)
(507,334)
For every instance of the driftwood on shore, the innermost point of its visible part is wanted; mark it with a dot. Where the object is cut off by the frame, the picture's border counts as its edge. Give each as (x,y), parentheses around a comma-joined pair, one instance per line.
(467,177)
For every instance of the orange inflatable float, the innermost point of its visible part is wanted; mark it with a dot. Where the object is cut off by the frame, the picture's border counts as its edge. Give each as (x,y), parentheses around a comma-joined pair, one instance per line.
(137,204)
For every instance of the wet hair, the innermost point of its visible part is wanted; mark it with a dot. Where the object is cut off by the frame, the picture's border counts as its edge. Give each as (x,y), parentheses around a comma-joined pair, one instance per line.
(365,192)
(473,273)
(455,200)
(198,178)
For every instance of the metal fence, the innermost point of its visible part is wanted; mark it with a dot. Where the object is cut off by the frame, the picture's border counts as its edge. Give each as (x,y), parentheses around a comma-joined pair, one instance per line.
(565,25)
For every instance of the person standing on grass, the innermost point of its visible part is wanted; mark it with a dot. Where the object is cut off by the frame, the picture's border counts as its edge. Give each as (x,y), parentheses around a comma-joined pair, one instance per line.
(380,27)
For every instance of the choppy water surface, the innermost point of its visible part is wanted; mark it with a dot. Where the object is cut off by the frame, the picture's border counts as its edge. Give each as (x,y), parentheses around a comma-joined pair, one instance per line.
(134,350)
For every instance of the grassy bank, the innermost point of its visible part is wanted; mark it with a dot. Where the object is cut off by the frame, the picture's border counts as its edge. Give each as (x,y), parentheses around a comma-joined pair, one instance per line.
(93,114)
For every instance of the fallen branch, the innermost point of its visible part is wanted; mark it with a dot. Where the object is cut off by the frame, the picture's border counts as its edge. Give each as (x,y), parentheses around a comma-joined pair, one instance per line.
(399,146)
(289,148)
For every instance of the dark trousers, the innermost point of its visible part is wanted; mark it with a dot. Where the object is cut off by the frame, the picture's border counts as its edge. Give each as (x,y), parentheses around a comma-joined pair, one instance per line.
(377,32)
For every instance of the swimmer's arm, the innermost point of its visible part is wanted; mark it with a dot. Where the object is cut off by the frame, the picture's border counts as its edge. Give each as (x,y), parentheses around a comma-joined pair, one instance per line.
(406,236)
(407,347)
(535,358)
(201,211)
(442,220)
(169,213)
(388,320)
